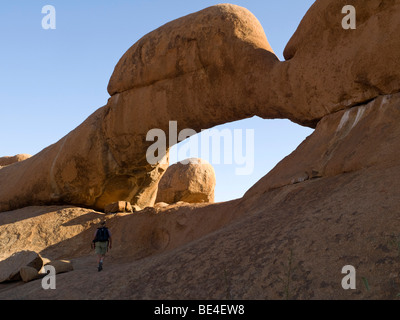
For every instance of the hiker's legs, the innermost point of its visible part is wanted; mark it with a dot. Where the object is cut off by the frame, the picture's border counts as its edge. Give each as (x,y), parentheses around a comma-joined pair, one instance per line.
(101,250)
(100,258)
(100,262)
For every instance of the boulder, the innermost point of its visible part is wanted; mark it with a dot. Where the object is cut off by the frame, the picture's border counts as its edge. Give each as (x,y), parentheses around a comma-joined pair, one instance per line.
(10,267)
(28,273)
(192,181)
(119,206)
(61,266)
(6,161)
(329,68)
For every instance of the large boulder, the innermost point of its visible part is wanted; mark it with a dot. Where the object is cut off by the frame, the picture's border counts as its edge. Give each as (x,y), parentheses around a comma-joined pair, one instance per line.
(190,181)
(61,266)
(329,68)
(10,267)
(28,273)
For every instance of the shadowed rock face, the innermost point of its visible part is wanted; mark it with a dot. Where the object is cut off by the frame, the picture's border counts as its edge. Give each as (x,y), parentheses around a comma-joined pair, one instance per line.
(205,69)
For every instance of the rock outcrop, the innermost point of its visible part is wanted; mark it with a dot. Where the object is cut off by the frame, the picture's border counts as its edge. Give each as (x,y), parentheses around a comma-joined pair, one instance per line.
(199,76)
(119,206)
(333,202)
(64,233)
(289,241)
(346,141)
(6,161)
(205,69)
(329,68)
(192,181)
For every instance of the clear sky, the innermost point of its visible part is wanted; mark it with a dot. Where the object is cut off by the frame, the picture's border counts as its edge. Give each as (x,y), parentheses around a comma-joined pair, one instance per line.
(52,80)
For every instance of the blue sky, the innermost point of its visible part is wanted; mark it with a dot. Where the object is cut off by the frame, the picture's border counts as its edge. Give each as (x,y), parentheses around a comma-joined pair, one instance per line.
(52,80)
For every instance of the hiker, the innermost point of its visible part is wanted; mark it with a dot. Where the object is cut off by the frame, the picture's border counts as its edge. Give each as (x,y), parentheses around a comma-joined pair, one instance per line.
(102,242)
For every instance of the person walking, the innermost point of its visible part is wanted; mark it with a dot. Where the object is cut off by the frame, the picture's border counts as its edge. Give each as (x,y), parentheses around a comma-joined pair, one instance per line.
(101,243)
